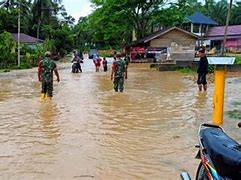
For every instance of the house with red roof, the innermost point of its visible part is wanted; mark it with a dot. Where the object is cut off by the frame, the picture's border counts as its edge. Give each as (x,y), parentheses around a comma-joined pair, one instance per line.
(233,39)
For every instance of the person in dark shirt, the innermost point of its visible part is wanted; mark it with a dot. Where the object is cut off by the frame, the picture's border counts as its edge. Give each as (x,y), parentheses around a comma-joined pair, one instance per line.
(104,62)
(202,70)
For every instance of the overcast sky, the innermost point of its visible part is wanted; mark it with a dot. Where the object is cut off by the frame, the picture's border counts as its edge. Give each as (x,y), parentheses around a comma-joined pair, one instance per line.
(77,8)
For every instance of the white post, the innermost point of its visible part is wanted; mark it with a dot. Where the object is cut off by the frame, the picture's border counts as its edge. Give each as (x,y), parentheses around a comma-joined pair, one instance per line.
(19,35)
(200,29)
(191,27)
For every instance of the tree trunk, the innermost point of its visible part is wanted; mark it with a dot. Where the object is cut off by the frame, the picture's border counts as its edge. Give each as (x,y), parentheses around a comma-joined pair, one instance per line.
(38,27)
(40,20)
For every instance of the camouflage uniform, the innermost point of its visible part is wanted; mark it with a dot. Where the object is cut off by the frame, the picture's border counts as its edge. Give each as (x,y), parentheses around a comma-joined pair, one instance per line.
(47,66)
(119,68)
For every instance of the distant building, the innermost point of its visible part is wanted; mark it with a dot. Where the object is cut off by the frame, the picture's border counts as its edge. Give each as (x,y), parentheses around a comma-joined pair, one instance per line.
(198,24)
(167,44)
(28,40)
(233,41)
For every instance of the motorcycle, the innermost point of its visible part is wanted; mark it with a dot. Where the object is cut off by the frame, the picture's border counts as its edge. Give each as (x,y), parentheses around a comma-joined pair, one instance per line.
(75,68)
(219,154)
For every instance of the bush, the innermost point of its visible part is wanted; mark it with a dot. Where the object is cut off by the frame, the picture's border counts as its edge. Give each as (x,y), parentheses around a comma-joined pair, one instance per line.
(211,68)
(185,70)
(237,60)
(7,58)
(235,114)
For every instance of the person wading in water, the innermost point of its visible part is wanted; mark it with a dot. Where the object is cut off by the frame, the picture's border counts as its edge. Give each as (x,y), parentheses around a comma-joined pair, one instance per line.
(46,67)
(202,70)
(119,70)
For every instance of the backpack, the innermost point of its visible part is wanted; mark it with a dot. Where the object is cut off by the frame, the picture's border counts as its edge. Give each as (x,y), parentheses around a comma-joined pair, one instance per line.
(120,68)
(47,70)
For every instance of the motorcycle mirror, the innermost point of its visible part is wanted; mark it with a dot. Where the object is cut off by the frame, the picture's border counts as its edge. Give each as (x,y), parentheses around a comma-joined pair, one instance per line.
(239,124)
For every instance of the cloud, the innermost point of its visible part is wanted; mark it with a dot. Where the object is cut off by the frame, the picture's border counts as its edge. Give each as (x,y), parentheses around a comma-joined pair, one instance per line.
(77,8)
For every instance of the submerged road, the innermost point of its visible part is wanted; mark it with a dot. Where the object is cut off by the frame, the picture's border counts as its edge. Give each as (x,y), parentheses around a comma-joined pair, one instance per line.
(90,132)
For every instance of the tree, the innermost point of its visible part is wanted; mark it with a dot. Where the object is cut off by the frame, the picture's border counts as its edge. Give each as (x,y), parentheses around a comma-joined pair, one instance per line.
(42,10)
(6,46)
(236,14)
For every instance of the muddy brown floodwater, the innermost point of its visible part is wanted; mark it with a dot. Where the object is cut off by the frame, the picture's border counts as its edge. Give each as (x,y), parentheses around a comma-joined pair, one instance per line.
(90,132)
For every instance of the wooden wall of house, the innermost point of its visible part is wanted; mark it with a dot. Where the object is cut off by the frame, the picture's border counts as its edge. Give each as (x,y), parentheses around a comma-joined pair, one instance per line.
(182,45)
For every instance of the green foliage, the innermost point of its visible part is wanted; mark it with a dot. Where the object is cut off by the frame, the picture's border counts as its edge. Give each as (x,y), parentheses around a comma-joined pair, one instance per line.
(237,60)
(105,54)
(109,26)
(63,40)
(23,66)
(6,46)
(186,70)
(235,114)
(211,68)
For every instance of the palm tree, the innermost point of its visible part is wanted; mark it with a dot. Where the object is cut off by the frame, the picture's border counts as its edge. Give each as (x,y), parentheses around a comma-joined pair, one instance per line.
(236,14)
(41,9)
(7,3)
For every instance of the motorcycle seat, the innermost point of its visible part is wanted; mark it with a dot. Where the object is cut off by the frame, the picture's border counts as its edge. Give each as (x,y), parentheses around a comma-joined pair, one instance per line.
(224,152)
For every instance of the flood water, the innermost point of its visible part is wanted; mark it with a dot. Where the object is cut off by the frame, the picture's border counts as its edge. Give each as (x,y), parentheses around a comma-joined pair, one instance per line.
(88,131)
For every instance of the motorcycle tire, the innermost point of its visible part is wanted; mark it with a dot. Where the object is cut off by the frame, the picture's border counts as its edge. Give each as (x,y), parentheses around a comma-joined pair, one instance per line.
(74,70)
(201,174)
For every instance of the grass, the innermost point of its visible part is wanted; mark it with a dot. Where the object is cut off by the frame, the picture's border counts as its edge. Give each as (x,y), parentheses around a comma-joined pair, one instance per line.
(186,70)
(22,66)
(235,114)
(4,70)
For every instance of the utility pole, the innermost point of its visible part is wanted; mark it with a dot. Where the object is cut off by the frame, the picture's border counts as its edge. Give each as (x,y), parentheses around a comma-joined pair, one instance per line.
(226,26)
(19,34)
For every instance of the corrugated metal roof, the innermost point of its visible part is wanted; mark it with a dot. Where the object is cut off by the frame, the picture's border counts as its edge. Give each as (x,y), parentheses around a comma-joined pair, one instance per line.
(158,34)
(24,38)
(219,31)
(221,37)
(198,18)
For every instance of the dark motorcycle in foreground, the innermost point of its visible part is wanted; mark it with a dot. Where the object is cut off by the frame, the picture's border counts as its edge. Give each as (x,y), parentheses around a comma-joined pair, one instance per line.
(219,154)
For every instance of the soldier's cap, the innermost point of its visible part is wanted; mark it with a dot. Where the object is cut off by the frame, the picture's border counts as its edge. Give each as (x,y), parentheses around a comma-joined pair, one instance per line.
(201,50)
(47,53)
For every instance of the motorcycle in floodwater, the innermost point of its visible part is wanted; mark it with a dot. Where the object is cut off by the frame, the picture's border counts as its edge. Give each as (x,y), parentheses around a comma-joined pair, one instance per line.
(219,154)
(75,67)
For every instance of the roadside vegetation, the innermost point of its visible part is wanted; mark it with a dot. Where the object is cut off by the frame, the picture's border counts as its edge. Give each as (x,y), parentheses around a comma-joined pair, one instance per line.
(235,114)
(110,26)
(238,60)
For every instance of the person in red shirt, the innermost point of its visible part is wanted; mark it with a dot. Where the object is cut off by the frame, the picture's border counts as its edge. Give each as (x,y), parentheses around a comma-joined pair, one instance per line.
(97,62)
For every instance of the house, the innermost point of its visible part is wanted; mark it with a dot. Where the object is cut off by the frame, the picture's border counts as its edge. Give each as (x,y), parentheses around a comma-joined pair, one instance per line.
(198,23)
(233,38)
(28,40)
(174,44)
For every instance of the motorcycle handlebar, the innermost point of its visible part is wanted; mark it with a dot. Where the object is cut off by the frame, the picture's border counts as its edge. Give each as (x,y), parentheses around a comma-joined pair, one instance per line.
(210,125)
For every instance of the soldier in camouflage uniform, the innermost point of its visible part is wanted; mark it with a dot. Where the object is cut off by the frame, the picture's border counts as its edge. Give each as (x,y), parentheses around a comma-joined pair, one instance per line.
(45,76)
(119,70)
